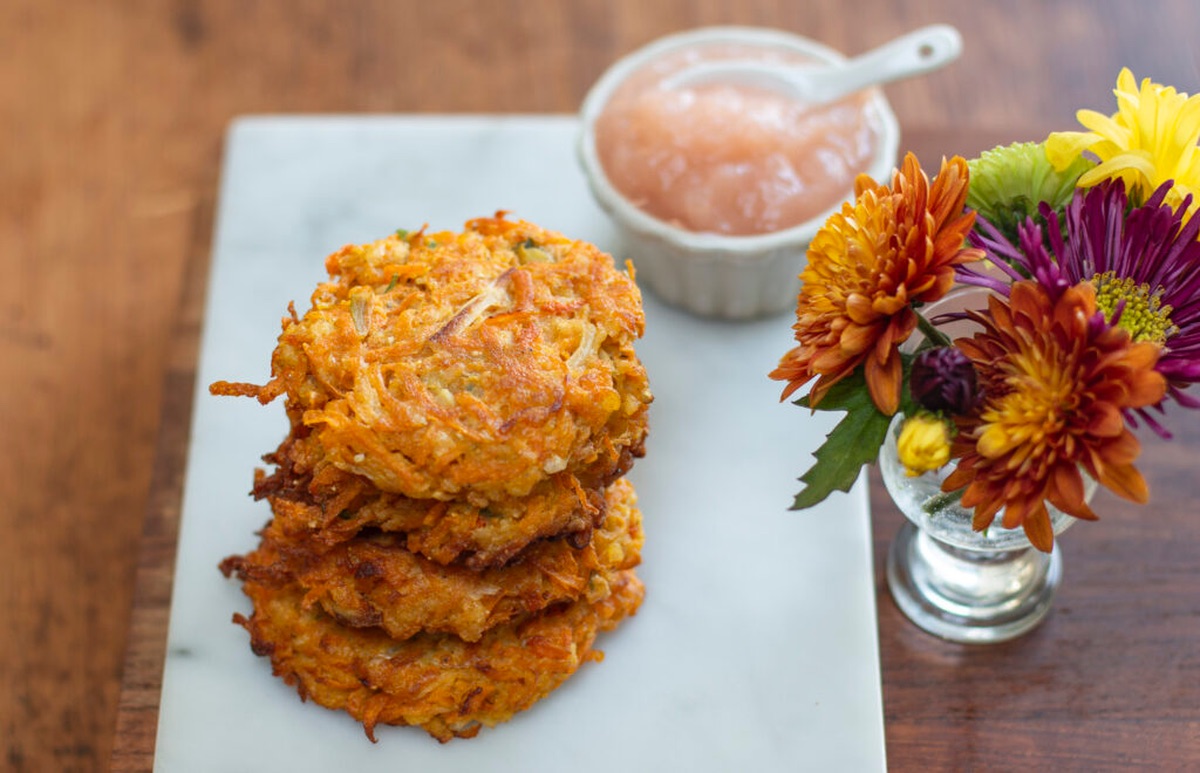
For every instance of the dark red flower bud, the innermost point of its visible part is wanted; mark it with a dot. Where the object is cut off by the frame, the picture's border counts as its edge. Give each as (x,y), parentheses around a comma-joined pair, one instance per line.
(943,379)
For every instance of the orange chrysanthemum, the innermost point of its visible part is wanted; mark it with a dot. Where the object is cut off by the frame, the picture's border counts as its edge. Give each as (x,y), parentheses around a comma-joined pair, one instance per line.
(1057,381)
(891,248)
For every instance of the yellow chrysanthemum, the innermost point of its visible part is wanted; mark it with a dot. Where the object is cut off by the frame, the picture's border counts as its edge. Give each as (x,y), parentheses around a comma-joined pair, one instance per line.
(894,246)
(923,445)
(1151,138)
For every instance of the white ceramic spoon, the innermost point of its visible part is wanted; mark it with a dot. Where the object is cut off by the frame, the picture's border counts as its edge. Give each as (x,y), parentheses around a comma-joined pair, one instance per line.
(916,53)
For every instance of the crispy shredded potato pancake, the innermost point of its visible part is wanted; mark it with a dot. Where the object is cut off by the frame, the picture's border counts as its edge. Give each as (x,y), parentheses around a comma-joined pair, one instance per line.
(329,505)
(373,580)
(447,686)
(446,364)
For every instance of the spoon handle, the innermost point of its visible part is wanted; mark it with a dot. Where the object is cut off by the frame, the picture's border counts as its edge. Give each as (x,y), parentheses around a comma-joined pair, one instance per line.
(918,52)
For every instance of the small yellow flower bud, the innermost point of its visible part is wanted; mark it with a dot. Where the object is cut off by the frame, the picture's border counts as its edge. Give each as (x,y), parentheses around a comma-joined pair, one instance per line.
(924,444)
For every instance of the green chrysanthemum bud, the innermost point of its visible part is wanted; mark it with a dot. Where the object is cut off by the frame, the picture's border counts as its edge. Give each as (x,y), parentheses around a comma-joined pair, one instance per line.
(1008,183)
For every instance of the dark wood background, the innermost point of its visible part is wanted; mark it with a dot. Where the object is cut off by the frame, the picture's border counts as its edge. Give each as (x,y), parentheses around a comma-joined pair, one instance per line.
(111,120)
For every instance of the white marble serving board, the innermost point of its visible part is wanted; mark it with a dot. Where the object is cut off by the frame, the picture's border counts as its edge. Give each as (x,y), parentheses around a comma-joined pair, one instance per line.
(756,647)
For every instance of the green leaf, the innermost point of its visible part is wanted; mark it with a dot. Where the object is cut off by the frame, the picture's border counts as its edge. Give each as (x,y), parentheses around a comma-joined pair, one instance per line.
(854,442)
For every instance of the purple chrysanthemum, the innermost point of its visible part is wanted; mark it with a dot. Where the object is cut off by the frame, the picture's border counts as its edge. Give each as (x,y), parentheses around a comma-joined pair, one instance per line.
(1144,263)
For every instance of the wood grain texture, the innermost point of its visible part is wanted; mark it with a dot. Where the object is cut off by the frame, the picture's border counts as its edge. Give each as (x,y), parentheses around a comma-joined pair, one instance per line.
(112,116)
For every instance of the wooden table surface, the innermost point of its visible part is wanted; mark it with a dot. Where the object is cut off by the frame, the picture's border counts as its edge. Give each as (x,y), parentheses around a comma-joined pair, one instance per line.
(112,117)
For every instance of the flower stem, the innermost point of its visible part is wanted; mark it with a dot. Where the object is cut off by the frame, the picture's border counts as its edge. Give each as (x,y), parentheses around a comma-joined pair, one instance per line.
(932,333)
(939,502)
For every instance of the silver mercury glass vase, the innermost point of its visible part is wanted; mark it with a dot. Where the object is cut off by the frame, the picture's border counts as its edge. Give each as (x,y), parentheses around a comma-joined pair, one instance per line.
(955,582)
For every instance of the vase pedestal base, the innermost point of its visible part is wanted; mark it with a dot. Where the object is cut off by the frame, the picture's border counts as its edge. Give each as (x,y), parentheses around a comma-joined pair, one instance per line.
(975,597)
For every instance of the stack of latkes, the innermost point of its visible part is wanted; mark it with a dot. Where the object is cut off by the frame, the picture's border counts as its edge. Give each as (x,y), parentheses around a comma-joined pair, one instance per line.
(450,526)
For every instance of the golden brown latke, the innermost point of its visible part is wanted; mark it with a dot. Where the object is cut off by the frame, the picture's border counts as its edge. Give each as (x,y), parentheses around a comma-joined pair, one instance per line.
(321,503)
(437,681)
(373,580)
(482,362)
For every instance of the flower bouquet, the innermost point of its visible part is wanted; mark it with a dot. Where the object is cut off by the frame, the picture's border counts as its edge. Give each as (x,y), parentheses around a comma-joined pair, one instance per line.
(1092,324)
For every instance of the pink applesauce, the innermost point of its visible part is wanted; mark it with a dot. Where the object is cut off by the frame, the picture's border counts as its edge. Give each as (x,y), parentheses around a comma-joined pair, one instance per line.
(729,158)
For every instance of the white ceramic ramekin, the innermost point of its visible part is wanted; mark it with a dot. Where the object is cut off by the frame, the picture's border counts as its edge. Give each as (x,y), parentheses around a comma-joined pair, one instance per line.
(714,275)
